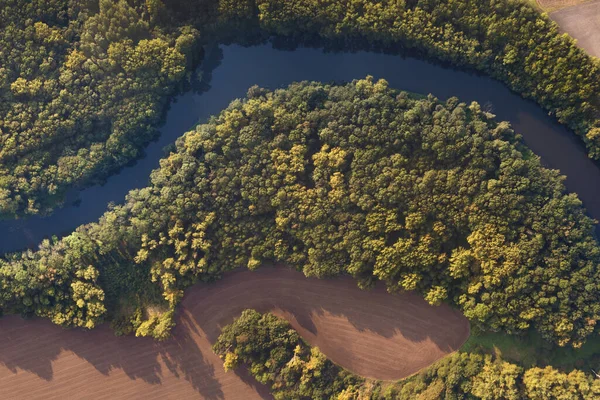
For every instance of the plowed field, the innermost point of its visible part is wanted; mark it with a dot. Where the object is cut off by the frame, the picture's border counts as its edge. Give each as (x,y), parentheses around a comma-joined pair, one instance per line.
(371,333)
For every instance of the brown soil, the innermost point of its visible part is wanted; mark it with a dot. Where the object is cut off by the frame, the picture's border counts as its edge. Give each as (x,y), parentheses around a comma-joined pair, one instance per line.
(583,23)
(553,5)
(372,333)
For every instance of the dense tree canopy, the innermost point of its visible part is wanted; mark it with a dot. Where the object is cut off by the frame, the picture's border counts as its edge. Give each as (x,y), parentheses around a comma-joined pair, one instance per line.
(82,87)
(83,83)
(508,40)
(277,356)
(358,179)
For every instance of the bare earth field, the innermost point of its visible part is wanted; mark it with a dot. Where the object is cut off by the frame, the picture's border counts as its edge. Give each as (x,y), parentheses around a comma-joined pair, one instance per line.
(372,333)
(583,23)
(554,5)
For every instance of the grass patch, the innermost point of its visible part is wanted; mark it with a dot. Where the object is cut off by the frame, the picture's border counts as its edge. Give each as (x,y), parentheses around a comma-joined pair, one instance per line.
(531,350)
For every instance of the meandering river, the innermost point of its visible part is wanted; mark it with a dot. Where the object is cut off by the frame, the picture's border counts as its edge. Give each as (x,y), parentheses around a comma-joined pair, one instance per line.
(242,67)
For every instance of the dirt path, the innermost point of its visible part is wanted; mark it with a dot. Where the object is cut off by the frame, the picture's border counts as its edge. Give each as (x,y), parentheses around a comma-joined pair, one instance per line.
(369,332)
(583,23)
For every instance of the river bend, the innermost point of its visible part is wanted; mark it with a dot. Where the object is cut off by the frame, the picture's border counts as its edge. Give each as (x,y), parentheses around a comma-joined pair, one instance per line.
(242,67)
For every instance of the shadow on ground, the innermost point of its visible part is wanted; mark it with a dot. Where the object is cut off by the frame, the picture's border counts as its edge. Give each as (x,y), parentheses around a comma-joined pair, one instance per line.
(370,332)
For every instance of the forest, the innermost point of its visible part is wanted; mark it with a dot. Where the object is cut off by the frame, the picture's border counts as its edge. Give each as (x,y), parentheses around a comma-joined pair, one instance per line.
(424,195)
(355,179)
(84,84)
(277,356)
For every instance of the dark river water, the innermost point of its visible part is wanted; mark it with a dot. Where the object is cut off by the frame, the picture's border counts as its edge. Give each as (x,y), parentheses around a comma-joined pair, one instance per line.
(242,67)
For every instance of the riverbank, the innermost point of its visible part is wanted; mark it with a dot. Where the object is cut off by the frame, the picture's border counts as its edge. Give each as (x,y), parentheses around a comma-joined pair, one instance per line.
(272,68)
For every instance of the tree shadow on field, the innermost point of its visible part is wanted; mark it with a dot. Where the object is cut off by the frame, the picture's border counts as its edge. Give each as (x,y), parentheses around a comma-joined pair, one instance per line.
(262,390)
(184,358)
(367,331)
(306,300)
(350,325)
(34,346)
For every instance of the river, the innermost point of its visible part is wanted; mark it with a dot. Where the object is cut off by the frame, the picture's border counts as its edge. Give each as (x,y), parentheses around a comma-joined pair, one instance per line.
(242,67)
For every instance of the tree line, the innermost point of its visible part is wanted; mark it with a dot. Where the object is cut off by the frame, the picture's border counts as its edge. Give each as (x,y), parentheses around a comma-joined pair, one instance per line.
(84,83)
(509,40)
(435,197)
(276,356)
(83,86)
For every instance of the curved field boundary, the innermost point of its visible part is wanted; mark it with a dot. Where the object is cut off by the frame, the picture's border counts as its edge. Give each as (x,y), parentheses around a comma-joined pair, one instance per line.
(371,333)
